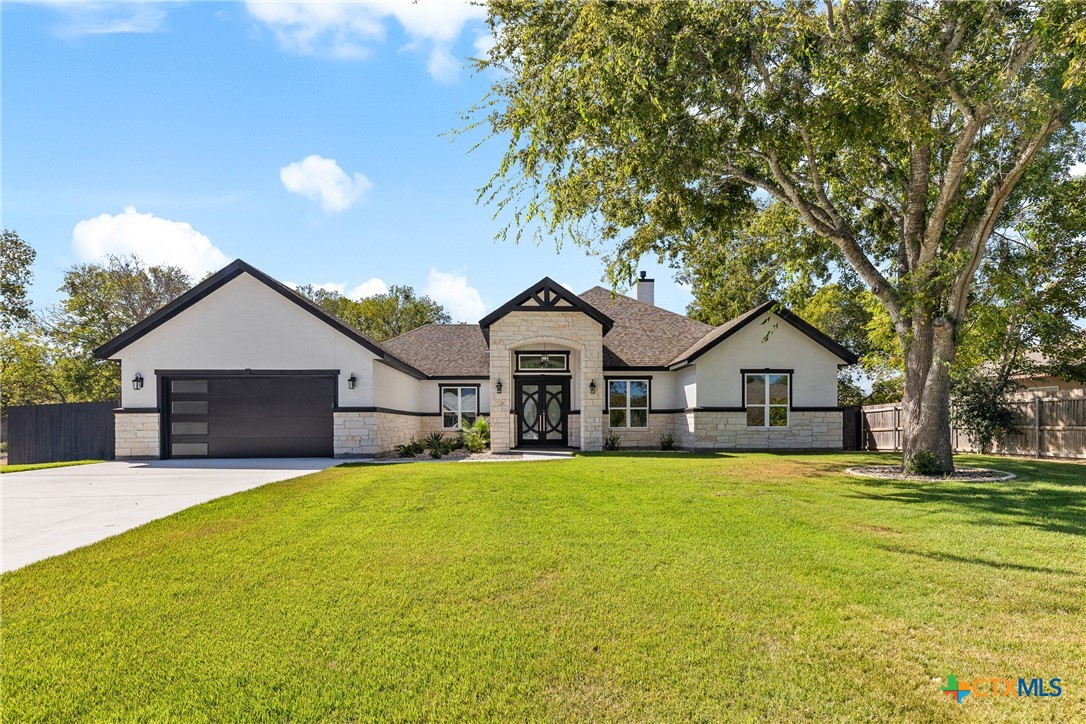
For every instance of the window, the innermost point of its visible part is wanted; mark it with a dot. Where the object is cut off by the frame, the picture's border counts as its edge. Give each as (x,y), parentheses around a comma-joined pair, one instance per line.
(459,406)
(542,361)
(1050,391)
(628,403)
(767,399)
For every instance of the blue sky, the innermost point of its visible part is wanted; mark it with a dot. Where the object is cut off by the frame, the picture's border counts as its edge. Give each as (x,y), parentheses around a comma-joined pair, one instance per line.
(308,139)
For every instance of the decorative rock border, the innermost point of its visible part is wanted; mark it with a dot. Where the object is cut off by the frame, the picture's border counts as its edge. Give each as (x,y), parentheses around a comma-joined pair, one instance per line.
(963,475)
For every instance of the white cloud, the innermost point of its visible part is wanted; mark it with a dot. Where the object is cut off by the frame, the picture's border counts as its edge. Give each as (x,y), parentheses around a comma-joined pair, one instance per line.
(451,290)
(151,238)
(1079,169)
(350,30)
(102,18)
(321,179)
(369,288)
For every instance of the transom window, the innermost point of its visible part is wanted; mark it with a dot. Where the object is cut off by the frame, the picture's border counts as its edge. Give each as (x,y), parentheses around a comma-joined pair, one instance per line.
(543,361)
(767,399)
(459,406)
(628,403)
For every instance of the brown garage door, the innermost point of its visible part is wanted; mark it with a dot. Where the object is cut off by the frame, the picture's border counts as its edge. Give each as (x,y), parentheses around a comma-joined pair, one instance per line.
(248,416)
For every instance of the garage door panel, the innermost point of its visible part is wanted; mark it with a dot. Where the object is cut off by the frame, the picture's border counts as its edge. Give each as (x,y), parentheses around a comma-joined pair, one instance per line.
(276,427)
(248,447)
(264,407)
(251,416)
(304,387)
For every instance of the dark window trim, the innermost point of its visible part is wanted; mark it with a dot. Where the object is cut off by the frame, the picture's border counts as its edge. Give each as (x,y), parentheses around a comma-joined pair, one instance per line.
(453,378)
(133,410)
(441,410)
(628,378)
(561,353)
(768,371)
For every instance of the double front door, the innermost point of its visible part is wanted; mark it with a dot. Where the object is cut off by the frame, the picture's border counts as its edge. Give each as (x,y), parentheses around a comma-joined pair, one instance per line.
(543,411)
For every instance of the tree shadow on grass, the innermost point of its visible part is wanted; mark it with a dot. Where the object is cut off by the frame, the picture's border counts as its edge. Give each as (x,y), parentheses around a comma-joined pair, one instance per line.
(1049,496)
(976,561)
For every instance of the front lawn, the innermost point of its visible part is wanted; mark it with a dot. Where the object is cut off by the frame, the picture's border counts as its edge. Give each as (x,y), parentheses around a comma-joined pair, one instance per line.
(606,587)
(5,469)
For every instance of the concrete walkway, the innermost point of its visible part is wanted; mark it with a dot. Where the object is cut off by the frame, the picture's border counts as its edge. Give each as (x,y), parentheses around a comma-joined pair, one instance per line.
(48,512)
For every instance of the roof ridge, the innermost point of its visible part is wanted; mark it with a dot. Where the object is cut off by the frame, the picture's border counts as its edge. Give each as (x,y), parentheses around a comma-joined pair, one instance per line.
(646,304)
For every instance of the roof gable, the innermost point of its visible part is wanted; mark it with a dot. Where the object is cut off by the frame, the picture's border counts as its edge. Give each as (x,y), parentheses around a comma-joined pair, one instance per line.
(546,295)
(726,330)
(225,276)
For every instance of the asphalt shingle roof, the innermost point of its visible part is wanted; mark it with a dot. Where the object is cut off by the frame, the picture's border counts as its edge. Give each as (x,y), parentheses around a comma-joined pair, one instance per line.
(443,350)
(644,335)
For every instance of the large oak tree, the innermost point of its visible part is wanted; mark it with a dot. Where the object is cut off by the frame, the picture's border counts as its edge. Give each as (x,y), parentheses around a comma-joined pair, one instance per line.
(901,134)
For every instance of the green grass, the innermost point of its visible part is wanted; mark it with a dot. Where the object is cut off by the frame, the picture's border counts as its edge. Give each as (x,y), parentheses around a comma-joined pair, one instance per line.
(5,469)
(607,587)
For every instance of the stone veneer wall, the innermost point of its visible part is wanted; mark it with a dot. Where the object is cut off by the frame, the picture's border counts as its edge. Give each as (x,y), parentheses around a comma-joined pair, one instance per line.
(660,423)
(711,430)
(137,435)
(728,430)
(570,330)
(354,434)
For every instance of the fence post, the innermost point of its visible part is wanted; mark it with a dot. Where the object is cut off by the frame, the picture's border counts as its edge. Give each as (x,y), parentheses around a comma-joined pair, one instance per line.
(1037,426)
(897,428)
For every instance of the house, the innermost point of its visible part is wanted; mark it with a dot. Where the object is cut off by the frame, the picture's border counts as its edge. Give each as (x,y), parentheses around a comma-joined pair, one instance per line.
(243,366)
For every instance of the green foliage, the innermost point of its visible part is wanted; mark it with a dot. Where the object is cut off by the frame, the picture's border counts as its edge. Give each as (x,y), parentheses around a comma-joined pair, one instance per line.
(477,435)
(612,442)
(382,316)
(410,449)
(436,444)
(28,372)
(100,302)
(980,408)
(923,462)
(16,258)
(667,441)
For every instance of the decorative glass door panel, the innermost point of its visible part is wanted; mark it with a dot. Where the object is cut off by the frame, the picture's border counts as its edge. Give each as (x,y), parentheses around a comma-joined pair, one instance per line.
(542,412)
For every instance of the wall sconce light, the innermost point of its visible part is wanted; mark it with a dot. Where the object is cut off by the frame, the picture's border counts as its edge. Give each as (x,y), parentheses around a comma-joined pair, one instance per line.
(498,386)
(592,387)
(137,382)
(352,381)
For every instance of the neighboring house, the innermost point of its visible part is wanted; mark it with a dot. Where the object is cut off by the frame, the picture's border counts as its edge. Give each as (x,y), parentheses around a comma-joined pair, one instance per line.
(243,366)
(1039,382)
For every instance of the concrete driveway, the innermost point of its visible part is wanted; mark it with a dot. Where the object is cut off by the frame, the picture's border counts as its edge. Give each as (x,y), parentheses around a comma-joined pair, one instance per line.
(47,512)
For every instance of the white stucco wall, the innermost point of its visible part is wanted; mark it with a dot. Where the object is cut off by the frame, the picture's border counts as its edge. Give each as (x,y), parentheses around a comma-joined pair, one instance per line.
(245,325)
(814,383)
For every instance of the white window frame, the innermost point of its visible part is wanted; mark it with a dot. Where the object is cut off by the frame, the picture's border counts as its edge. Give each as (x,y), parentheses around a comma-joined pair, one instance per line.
(442,389)
(765,404)
(629,407)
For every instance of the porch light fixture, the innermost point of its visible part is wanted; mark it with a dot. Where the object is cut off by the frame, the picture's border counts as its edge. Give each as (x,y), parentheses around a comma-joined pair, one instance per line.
(137,382)
(592,387)
(498,386)
(352,381)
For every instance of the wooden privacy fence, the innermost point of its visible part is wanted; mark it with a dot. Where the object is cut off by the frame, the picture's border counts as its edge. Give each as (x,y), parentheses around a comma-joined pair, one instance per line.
(1053,427)
(55,433)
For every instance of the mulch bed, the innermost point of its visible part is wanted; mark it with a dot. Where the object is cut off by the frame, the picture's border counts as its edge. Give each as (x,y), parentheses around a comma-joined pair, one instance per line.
(964,475)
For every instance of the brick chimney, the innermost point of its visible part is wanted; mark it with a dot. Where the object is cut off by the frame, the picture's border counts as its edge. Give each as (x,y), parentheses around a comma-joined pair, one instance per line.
(644,291)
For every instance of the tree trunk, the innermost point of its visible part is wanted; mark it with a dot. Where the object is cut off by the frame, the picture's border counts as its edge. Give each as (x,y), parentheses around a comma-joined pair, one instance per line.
(930,348)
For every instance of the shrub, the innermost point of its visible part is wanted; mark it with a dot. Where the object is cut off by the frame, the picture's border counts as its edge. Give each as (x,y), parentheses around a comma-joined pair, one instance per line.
(409,449)
(477,436)
(435,441)
(923,462)
(667,441)
(979,407)
(612,442)
(454,443)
